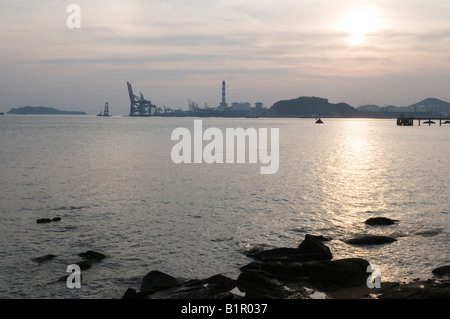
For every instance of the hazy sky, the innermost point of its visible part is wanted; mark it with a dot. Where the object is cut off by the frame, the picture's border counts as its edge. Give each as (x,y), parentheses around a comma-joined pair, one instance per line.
(359,52)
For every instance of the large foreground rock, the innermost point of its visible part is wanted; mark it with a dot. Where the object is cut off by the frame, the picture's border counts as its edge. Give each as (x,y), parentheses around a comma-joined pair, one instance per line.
(215,287)
(311,248)
(157,280)
(158,285)
(290,271)
(442,271)
(350,272)
(257,285)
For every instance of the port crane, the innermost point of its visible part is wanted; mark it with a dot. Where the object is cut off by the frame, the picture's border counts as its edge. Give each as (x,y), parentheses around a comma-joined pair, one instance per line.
(139,106)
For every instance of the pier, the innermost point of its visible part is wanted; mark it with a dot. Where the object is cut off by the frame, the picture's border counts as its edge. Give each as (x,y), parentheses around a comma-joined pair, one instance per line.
(409,121)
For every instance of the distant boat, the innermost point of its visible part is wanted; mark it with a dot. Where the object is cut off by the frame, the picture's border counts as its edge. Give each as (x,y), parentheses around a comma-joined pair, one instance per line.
(1,113)
(100,114)
(429,122)
(446,122)
(319,121)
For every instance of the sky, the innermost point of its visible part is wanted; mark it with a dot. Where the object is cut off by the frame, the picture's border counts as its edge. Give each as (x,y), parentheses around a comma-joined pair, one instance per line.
(355,51)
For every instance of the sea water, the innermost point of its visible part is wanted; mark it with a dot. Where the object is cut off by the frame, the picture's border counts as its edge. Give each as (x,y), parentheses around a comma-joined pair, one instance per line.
(117,191)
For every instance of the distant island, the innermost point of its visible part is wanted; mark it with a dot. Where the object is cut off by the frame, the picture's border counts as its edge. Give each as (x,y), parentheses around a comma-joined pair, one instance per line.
(41,110)
(305,106)
(429,105)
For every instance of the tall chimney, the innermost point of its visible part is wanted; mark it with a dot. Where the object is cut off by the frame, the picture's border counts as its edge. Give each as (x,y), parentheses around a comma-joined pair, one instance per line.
(223,93)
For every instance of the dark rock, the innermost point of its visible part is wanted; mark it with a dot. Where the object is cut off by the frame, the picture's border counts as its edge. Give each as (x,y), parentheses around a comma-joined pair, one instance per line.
(84,265)
(419,290)
(351,272)
(43,258)
(281,271)
(276,254)
(93,255)
(129,294)
(43,220)
(64,278)
(156,281)
(218,284)
(318,237)
(311,248)
(215,287)
(56,219)
(380,221)
(133,294)
(257,285)
(442,271)
(428,232)
(371,240)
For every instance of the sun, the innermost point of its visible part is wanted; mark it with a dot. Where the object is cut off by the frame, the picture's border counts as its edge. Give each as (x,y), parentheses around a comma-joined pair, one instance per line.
(359,22)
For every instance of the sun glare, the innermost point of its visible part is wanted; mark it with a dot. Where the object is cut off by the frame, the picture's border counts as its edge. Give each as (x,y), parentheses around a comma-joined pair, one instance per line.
(360,22)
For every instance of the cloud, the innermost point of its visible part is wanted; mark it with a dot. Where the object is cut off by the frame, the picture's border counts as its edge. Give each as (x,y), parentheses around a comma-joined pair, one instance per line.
(267,44)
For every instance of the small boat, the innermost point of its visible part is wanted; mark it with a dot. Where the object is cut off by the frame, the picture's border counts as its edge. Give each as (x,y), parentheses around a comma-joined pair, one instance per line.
(1,113)
(446,122)
(429,122)
(319,121)
(100,114)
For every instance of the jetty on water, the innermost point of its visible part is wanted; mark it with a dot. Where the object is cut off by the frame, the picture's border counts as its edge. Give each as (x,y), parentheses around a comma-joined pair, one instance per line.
(409,121)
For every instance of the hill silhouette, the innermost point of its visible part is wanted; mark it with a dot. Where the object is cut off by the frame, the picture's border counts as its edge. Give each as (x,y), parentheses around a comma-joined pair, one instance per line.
(311,107)
(41,110)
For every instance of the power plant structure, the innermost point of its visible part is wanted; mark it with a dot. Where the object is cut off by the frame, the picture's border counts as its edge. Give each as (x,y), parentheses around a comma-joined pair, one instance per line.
(223,104)
(139,106)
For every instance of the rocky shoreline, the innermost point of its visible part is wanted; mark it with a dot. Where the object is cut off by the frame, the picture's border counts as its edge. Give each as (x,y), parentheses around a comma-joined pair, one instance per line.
(305,272)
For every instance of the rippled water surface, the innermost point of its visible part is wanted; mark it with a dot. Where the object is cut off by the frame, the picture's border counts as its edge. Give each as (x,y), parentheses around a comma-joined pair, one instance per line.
(117,191)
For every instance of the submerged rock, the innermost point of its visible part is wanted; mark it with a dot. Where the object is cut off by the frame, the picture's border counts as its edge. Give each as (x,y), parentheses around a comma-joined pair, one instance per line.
(48,220)
(43,220)
(371,240)
(427,232)
(44,258)
(92,255)
(89,257)
(65,277)
(380,221)
(84,265)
